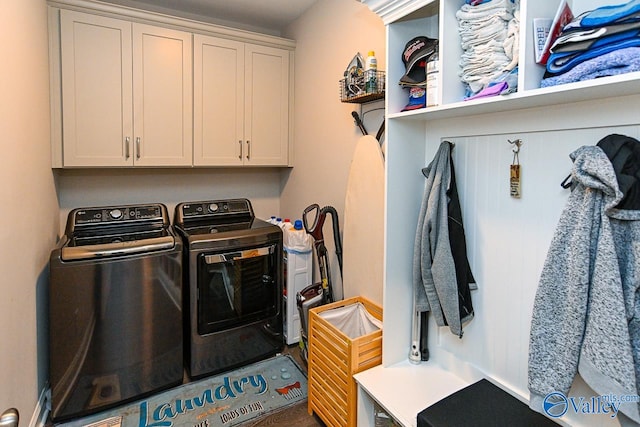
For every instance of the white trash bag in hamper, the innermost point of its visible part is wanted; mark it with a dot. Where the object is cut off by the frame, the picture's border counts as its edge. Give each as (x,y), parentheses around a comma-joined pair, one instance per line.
(353,320)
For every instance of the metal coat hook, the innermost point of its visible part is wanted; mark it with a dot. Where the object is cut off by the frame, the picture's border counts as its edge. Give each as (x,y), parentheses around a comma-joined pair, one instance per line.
(518,143)
(515,173)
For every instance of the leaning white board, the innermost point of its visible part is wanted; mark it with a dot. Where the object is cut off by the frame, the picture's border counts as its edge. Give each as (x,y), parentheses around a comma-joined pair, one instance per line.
(363,235)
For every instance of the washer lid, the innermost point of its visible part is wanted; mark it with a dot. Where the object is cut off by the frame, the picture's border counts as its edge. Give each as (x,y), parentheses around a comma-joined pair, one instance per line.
(74,252)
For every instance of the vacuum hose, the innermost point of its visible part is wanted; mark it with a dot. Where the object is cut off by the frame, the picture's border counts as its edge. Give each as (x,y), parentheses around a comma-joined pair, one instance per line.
(336,233)
(314,228)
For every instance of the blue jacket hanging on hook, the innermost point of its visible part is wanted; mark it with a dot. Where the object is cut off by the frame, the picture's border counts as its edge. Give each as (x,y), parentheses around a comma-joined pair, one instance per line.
(441,271)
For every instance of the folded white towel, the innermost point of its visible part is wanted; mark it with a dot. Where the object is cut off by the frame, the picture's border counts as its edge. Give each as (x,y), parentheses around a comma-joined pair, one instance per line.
(489,38)
(512,42)
(495,7)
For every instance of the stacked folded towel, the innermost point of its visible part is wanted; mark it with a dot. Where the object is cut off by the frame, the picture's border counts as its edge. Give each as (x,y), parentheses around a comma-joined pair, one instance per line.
(601,42)
(489,39)
(476,2)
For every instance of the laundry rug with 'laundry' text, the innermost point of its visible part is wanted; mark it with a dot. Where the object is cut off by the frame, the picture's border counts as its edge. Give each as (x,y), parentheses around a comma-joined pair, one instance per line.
(223,400)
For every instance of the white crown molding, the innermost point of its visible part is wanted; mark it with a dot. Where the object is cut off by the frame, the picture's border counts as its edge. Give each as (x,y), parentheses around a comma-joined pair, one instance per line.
(109,9)
(391,10)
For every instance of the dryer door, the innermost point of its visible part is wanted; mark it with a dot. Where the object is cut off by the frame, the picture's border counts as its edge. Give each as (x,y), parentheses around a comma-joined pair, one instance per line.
(236,287)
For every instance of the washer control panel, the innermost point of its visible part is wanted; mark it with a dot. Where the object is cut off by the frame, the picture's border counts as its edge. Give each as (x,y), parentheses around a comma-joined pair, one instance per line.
(118,214)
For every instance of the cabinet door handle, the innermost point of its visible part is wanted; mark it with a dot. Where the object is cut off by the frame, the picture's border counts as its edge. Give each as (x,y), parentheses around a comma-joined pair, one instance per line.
(240,155)
(248,149)
(137,148)
(10,418)
(127,142)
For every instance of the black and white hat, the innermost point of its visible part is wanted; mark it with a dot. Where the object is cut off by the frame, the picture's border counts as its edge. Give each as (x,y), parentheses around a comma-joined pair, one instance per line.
(414,56)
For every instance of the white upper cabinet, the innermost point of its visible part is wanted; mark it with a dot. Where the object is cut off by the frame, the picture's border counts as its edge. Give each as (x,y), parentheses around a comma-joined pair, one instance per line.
(133,88)
(163,92)
(97,95)
(126,93)
(241,109)
(218,101)
(266,105)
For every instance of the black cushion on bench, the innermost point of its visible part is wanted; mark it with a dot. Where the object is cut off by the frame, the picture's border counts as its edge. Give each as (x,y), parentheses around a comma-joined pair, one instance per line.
(481,404)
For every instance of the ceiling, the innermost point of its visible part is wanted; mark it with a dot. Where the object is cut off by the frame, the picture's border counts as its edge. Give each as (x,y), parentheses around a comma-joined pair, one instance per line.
(270,15)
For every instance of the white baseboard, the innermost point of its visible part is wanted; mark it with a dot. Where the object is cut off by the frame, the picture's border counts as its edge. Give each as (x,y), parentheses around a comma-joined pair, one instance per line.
(41,411)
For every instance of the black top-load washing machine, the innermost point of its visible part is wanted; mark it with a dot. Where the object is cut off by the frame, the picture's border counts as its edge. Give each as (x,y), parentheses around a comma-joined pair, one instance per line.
(115,308)
(233,266)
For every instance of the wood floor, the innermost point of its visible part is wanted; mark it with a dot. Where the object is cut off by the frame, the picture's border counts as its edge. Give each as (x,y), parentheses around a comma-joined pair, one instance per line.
(295,415)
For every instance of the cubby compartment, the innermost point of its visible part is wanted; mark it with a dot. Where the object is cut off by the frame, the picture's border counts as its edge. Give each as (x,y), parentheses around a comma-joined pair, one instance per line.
(424,21)
(533,72)
(530,72)
(450,54)
(437,19)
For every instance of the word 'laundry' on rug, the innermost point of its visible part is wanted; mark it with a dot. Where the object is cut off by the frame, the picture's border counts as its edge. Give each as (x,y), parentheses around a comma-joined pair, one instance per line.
(226,399)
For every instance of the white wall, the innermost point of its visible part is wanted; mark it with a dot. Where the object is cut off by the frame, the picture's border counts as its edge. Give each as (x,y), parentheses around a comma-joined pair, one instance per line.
(507,238)
(29,214)
(327,37)
(103,187)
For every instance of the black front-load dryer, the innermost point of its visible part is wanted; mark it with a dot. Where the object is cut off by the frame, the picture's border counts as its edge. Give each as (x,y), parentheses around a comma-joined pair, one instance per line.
(233,267)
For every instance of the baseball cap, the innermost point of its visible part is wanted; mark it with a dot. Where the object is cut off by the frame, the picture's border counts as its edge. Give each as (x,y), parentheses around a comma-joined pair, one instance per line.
(415,52)
(417,98)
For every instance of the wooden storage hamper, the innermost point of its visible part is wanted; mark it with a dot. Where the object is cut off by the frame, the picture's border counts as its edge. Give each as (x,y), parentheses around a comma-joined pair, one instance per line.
(333,360)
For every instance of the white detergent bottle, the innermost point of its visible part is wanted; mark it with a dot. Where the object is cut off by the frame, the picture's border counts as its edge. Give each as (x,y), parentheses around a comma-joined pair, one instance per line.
(433,79)
(371,70)
(298,274)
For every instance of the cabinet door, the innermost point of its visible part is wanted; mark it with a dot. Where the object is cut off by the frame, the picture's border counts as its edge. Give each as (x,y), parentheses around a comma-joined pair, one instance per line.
(96,90)
(163,96)
(218,102)
(266,128)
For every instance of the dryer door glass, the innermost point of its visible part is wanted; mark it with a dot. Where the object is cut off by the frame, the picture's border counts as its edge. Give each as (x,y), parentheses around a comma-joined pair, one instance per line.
(236,287)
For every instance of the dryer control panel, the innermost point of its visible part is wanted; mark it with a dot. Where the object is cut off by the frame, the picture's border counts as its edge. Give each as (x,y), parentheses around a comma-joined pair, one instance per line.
(213,209)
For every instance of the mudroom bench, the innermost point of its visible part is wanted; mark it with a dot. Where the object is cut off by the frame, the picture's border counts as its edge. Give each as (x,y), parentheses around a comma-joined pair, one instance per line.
(427,395)
(394,389)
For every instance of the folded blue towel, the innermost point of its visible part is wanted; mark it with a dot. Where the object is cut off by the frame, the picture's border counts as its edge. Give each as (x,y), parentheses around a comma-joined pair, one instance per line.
(580,39)
(609,14)
(561,62)
(613,63)
(577,23)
